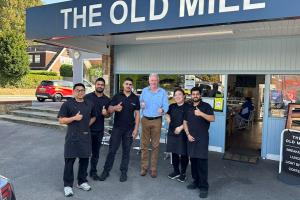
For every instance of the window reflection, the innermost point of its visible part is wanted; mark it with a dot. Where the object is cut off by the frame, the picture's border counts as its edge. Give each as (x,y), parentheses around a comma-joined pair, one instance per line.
(284,89)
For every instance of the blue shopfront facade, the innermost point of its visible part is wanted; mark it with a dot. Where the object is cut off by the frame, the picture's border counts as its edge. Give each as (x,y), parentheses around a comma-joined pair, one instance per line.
(184,37)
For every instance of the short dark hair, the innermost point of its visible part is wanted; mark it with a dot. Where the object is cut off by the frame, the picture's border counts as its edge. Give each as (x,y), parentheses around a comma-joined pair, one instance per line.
(128,79)
(196,89)
(78,84)
(180,90)
(248,99)
(100,79)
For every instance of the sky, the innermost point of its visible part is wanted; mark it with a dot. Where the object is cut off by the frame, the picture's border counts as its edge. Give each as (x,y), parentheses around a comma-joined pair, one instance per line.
(52,1)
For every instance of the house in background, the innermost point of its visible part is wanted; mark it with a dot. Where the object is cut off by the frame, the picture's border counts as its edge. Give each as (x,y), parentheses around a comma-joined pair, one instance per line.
(50,58)
(47,57)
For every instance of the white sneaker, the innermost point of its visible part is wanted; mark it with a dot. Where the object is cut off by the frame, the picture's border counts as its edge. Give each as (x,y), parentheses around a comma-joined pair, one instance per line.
(68,191)
(84,186)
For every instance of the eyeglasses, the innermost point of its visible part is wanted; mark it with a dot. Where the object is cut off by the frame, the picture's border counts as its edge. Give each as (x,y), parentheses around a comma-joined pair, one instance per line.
(79,90)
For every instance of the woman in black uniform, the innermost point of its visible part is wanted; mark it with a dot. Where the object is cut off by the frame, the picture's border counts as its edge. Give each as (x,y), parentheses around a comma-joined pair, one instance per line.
(177,139)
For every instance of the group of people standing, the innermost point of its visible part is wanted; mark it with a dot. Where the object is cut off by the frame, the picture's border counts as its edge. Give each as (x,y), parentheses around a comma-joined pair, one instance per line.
(187,135)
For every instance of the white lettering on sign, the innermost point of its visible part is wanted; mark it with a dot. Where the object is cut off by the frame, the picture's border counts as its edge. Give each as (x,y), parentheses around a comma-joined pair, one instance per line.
(133,13)
(90,16)
(94,14)
(77,17)
(66,14)
(211,7)
(290,141)
(164,12)
(112,12)
(191,7)
(82,17)
(252,6)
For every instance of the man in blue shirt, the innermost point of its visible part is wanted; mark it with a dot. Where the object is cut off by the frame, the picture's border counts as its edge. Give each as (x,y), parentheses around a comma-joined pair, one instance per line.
(245,112)
(154,103)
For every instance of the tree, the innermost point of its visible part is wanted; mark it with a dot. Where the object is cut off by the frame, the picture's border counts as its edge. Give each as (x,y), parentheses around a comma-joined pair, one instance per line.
(12,14)
(14,62)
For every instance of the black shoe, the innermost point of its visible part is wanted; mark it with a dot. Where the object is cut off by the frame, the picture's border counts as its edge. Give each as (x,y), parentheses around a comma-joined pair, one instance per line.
(192,186)
(123,177)
(104,175)
(173,175)
(95,177)
(182,178)
(203,194)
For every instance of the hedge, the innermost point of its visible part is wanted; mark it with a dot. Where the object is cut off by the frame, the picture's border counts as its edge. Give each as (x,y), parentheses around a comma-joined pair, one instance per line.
(28,81)
(43,72)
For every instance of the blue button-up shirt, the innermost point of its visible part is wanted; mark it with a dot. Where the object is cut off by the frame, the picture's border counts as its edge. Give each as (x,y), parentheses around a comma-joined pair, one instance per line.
(154,101)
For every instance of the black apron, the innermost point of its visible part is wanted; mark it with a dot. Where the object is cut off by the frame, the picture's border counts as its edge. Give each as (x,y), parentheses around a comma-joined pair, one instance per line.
(78,138)
(176,143)
(198,128)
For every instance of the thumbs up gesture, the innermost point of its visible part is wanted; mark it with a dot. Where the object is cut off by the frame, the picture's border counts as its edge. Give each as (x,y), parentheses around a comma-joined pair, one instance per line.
(198,112)
(119,107)
(77,117)
(104,111)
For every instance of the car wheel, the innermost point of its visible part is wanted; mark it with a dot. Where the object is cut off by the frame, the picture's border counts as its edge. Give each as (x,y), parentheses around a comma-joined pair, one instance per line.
(40,99)
(57,97)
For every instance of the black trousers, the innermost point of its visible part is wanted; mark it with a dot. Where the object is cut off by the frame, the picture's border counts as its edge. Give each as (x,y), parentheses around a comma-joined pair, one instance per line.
(183,160)
(96,144)
(117,136)
(199,169)
(69,172)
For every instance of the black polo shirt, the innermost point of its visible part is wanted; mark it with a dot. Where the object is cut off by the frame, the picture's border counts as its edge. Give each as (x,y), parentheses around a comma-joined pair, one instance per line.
(176,113)
(125,119)
(78,138)
(98,103)
(198,126)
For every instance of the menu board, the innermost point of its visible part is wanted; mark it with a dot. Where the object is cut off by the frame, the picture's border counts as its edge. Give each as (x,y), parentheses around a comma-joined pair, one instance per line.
(290,161)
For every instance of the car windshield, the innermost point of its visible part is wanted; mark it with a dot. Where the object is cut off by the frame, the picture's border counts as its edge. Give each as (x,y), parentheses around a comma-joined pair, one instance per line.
(46,83)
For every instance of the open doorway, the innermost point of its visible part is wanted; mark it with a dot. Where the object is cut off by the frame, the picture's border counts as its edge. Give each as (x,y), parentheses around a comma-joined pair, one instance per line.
(244,116)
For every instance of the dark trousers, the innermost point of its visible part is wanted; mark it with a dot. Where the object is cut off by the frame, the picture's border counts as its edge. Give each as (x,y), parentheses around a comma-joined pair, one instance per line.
(116,137)
(182,160)
(96,144)
(69,172)
(200,172)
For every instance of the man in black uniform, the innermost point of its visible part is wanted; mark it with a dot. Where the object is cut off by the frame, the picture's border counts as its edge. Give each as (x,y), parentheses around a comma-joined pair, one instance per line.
(126,107)
(100,102)
(78,114)
(196,124)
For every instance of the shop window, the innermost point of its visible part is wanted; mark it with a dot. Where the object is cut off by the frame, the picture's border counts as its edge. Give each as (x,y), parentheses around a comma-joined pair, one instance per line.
(284,89)
(211,85)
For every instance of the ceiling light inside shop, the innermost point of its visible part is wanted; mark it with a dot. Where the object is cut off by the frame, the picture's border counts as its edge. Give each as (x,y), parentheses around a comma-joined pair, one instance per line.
(188,35)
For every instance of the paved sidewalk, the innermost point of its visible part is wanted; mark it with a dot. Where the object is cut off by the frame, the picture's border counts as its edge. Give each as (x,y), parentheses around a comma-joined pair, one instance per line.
(33,158)
(16,98)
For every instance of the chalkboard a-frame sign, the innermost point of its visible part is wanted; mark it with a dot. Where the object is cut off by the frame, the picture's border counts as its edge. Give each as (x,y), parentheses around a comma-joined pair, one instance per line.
(289,166)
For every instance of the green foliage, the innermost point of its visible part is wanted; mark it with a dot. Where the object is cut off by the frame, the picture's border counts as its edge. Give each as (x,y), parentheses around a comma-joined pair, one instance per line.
(14,60)
(28,81)
(43,72)
(66,70)
(94,72)
(12,14)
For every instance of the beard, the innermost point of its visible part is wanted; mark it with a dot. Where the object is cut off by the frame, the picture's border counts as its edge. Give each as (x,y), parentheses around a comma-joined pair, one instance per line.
(99,90)
(196,100)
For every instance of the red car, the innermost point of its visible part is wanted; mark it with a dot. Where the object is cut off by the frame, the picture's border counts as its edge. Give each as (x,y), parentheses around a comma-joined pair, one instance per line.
(54,89)
(6,189)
